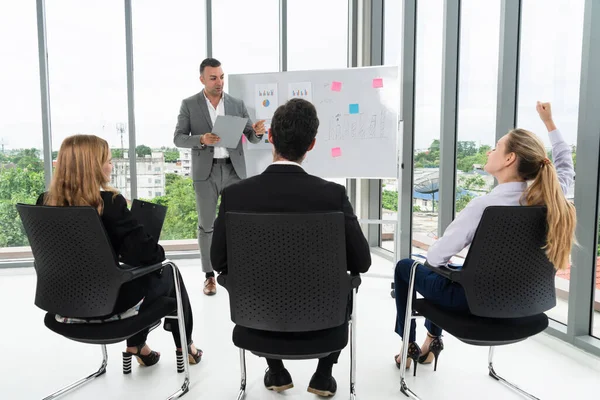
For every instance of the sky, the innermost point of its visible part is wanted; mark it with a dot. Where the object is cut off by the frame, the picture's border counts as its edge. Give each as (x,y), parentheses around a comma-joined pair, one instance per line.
(87,67)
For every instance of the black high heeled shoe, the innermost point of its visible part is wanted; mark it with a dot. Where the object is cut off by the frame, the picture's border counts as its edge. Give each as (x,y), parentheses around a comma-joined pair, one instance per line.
(435,348)
(414,351)
(193,358)
(145,360)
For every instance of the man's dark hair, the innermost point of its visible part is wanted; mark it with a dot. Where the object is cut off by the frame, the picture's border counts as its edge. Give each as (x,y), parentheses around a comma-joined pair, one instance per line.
(293,128)
(209,62)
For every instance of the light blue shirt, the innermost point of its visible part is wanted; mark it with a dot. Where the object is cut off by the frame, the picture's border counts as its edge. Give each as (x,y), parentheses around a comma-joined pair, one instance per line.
(460,232)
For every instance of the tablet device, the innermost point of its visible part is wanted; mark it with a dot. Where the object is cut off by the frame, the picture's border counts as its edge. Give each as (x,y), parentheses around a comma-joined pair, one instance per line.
(230,129)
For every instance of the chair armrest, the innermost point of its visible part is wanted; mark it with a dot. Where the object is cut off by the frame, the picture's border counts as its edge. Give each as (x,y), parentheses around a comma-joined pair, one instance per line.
(130,273)
(222,280)
(453,275)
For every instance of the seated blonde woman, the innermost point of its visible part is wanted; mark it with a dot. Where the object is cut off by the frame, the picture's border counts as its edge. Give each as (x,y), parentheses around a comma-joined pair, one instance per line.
(519,158)
(81,178)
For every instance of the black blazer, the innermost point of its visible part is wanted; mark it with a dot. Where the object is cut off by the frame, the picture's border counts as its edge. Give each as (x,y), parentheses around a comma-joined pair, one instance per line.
(131,244)
(288,188)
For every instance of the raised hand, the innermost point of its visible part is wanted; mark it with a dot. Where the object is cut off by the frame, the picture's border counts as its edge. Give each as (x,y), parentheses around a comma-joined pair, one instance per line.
(544,110)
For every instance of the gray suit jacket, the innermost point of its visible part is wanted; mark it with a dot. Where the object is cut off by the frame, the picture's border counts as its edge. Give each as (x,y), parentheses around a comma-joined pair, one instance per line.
(194,121)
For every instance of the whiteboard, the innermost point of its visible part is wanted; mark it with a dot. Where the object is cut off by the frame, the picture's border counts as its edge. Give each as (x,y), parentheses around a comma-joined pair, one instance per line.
(358,115)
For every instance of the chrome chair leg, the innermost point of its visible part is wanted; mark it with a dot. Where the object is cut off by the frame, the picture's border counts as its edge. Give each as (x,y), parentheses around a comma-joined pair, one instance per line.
(503,381)
(242,392)
(185,387)
(407,392)
(85,380)
(353,348)
(407,321)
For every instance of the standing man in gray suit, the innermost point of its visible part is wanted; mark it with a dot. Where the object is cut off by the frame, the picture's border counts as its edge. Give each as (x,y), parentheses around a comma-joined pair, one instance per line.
(213,167)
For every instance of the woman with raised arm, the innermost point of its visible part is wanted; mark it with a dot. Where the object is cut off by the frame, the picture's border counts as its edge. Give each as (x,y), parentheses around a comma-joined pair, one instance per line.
(519,158)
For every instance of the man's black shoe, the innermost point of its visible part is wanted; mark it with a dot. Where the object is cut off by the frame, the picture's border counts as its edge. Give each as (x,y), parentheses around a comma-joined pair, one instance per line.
(278,381)
(321,385)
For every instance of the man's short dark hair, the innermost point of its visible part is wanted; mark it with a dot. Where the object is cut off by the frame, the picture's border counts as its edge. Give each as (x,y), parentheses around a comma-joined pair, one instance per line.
(209,62)
(293,128)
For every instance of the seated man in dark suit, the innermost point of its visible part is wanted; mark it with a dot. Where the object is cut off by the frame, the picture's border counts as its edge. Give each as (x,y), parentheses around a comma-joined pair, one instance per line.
(286,187)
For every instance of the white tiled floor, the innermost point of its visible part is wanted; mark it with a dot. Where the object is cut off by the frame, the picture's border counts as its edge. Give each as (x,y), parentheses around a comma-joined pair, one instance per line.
(35,362)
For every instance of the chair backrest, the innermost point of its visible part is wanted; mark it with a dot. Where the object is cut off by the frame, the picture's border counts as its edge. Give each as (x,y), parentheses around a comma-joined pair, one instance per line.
(506,273)
(77,271)
(287,272)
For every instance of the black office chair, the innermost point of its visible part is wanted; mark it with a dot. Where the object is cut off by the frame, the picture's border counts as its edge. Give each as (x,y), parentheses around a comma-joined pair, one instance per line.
(287,273)
(78,275)
(508,281)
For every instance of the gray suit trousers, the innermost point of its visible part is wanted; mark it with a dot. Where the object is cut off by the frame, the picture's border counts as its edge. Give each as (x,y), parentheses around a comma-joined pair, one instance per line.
(207,193)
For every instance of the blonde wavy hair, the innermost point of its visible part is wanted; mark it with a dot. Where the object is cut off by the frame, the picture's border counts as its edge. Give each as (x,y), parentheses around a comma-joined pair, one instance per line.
(78,177)
(545,189)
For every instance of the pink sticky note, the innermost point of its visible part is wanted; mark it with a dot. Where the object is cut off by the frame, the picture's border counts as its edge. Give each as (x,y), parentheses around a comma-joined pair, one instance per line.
(244,139)
(336,152)
(336,86)
(377,83)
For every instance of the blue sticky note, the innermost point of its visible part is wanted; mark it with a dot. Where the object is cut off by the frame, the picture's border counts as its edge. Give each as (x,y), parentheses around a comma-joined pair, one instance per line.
(353,108)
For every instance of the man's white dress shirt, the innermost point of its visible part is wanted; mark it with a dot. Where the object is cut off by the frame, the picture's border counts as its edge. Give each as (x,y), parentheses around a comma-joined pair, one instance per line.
(287,163)
(220,152)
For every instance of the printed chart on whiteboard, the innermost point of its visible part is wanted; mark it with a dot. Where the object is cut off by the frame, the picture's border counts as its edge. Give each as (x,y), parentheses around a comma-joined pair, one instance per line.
(300,90)
(265,100)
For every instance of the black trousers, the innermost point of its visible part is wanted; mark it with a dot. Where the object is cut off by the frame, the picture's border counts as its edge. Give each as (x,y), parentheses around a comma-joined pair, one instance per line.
(163,286)
(324,367)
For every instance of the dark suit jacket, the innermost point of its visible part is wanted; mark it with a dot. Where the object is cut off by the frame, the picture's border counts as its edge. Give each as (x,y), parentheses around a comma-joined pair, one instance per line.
(131,244)
(288,188)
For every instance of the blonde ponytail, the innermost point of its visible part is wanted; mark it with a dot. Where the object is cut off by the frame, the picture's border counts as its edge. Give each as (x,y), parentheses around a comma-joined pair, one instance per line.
(545,190)
(561,216)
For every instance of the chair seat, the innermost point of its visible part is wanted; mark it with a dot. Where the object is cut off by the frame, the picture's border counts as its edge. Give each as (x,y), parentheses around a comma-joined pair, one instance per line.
(114,331)
(291,345)
(482,331)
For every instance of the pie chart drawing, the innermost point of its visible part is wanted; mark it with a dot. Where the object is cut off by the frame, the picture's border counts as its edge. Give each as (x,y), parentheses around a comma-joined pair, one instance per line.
(266,103)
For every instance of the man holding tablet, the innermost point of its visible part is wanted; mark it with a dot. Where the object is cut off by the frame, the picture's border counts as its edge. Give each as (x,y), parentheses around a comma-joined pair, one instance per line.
(213,167)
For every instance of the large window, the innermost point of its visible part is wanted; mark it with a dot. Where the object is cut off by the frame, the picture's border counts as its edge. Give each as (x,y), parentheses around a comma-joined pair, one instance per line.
(308,46)
(246,35)
(392,40)
(21,166)
(167,63)
(88,77)
(392,32)
(477,97)
(428,100)
(550,67)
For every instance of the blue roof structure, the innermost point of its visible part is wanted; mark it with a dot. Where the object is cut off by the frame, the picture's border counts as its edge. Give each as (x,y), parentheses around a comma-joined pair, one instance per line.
(427,196)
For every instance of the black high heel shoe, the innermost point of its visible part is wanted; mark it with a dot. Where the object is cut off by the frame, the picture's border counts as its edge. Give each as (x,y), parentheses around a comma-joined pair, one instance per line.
(413,354)
(435,348)
(146,360)
(192,358)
